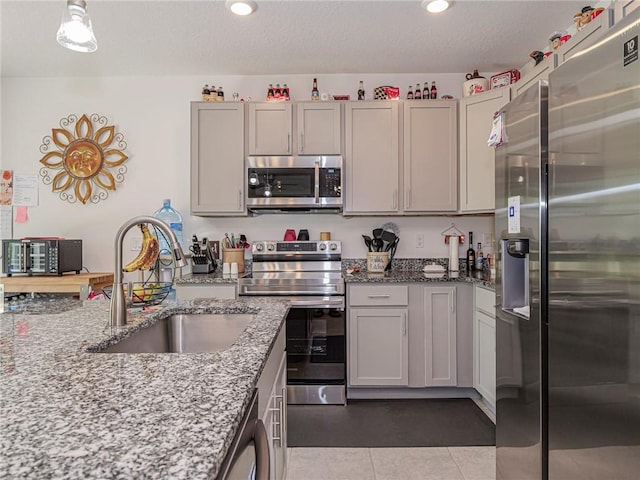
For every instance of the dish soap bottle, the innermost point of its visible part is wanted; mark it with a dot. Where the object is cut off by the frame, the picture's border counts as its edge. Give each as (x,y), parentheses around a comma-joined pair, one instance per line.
(171,217)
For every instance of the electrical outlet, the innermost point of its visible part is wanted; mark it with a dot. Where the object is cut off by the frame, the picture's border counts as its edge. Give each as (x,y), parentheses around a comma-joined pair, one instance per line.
(136,244)
(420,240)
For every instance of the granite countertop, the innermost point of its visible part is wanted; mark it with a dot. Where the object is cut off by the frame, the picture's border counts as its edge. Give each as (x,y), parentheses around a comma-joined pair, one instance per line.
(69,413)
(394,276)
(418,276)
(209,278)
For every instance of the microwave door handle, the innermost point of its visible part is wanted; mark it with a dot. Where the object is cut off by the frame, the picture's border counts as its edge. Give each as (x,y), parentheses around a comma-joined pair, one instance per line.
(316,185)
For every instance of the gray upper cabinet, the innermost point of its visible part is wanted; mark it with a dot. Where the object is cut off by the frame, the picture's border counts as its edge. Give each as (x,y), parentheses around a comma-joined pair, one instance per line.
(217,158)
(586,37)
(430,156)
(539,72)
(270,128)
(318,128)
(622,8)
(372,134)
(477,160)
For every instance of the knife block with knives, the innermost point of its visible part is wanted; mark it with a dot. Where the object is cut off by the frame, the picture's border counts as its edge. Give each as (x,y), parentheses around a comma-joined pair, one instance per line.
(203,255)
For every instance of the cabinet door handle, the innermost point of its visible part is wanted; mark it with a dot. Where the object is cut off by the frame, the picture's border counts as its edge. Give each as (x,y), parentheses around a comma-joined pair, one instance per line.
(407,198)
(280,401)
(288,143)
(239,199)
(381,295)
(453,301)
(404,324)
(394,199)
(283,417)
(302,141)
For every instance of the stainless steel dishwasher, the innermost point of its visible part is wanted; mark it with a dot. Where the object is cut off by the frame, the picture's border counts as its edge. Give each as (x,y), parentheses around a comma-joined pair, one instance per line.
(248,457)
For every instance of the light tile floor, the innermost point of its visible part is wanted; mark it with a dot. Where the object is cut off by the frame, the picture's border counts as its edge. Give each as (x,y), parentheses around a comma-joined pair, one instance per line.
(431,463)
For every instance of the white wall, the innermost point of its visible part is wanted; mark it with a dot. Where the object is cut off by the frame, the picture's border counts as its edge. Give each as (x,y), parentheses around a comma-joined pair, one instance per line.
(153,115)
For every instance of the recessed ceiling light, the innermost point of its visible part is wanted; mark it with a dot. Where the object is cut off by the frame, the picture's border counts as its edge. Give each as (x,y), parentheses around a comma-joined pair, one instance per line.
(242,7)
(435,6)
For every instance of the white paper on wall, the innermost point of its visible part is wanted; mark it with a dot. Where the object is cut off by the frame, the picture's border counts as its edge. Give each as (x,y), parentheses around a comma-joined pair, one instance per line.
(6,222)
(25,190)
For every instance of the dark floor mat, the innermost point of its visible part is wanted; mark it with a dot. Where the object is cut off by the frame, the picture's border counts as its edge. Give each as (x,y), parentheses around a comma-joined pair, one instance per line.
(390,423)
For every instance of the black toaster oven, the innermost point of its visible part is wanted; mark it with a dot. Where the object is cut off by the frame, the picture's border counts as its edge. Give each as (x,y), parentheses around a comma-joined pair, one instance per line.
(41,256)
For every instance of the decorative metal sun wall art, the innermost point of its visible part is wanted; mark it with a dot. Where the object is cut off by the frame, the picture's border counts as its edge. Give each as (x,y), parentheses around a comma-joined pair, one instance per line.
(85,151)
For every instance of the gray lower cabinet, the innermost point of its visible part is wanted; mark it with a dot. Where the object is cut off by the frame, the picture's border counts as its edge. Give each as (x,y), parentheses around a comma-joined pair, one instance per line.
(272,406)
(439,313)
(378,335)
(484,334)
(217,158)
(412,335)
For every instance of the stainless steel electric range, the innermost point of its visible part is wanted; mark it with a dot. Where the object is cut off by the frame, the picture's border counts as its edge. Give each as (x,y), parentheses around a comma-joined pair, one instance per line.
(309,275)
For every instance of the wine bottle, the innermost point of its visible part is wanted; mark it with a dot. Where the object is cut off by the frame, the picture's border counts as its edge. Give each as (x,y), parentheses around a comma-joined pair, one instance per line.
(479,258)
(434,91)
(409,94)
(270,92)
(471,255)
(425,91)
(315,94)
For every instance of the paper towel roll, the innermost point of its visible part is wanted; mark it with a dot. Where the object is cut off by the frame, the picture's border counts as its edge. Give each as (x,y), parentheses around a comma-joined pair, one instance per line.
(453,253)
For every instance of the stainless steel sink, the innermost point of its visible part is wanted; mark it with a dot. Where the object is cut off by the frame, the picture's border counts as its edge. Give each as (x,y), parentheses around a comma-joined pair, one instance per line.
(193,333)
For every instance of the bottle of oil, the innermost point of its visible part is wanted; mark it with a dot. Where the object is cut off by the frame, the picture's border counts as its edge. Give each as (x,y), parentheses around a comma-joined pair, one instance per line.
(471,255)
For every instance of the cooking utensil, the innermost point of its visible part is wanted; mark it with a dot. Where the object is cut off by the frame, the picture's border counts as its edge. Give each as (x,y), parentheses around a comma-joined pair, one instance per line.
(367,241)
(377,244)
(388,238)
(392,252)
(377,232)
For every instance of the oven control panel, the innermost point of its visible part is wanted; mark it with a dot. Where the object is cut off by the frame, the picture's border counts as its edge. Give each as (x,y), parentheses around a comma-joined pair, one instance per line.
(301,248)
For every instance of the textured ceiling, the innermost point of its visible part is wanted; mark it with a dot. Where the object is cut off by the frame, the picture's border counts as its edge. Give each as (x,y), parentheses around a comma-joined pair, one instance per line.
(281,37)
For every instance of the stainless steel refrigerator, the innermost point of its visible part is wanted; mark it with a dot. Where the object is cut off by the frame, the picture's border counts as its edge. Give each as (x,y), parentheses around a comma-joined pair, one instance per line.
(568,270)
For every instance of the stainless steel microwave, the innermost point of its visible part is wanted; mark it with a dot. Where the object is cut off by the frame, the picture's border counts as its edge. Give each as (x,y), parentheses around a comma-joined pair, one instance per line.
(41,256)
(294,184)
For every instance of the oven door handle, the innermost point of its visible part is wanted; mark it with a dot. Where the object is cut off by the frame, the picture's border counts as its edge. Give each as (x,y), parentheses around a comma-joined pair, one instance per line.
(277,292)
(318,303)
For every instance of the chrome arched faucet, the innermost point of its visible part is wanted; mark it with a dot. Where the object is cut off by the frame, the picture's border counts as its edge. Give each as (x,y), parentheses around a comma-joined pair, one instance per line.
(118,312)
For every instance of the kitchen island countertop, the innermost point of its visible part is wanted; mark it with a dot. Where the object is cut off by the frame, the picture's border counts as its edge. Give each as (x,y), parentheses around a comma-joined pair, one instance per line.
(68,413)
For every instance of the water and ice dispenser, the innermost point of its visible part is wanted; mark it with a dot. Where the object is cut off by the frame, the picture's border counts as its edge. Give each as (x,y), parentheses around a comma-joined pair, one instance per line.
(515,275)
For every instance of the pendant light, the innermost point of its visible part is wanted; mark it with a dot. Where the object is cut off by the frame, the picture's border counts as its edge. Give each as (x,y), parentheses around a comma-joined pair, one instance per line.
(75,32)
